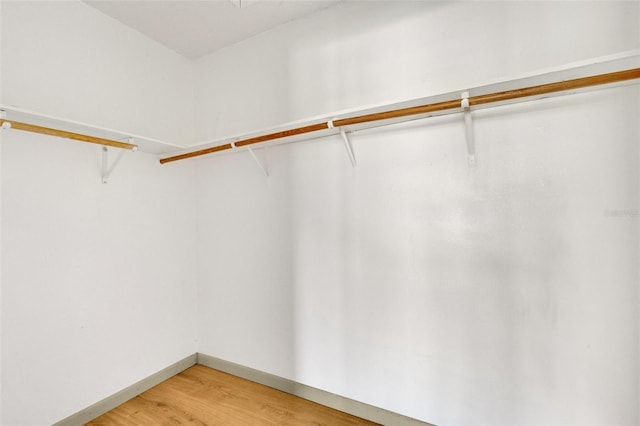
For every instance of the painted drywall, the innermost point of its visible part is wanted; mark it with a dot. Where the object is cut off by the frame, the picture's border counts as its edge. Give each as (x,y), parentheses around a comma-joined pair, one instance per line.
(505,294)
(68,60)
(98,289)
(362,53)
(497,295)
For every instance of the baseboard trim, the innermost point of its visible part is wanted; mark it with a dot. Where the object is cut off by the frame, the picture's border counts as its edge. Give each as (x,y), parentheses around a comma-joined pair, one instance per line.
(111,402)
(328,399)
(350,406)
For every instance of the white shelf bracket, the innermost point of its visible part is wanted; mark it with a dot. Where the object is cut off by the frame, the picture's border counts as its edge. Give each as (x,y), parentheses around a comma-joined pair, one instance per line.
(263,166)
(5,124)
(347,144)
(106,170)
(468,129)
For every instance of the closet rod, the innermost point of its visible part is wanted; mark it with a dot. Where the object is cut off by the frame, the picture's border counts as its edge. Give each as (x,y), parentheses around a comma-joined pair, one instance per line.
(578,83)
(560,86)
(69,135)
(244,142)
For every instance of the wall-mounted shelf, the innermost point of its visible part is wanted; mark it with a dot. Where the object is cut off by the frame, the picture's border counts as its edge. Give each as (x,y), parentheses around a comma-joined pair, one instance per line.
(61,127)
(605,72)
(609,71)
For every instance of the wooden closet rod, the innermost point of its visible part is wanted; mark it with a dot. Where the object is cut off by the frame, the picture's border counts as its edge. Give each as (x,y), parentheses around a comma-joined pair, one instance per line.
(578,83)
(69,135)
(257,139)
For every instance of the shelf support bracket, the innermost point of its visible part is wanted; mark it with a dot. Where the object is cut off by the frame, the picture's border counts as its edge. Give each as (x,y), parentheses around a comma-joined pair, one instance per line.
(263,166)
(106,170)
(3,116)
(347,143)
(468,129)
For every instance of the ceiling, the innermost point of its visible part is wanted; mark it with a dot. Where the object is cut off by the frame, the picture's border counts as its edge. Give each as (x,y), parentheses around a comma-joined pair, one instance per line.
(195,28)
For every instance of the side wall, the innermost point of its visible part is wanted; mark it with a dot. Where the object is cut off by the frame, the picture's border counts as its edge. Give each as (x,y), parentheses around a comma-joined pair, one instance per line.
(67,59)
(505,294)
(97,284)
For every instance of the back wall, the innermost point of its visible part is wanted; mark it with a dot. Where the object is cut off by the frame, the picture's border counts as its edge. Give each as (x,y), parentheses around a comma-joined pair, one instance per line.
(505,294)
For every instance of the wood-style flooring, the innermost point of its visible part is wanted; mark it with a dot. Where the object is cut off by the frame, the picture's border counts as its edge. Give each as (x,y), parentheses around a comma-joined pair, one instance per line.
(204,396)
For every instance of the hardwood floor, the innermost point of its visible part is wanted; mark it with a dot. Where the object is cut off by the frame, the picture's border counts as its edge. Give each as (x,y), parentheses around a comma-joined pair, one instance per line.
(204,396)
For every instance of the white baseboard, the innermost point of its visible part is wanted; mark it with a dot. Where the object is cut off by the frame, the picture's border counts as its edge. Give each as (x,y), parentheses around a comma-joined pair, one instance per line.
(350,406)
(328,399)
(111,402)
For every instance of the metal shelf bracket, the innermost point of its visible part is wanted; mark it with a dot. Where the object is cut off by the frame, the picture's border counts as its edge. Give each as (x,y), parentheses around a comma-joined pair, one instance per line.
(347,144)
(468,129)
(264,166)
(106,169)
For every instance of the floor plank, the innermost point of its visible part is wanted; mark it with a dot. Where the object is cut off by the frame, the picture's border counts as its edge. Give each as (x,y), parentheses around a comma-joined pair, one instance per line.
(204,396)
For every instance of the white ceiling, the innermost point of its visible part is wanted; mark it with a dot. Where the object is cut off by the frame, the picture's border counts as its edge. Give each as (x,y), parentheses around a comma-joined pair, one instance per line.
(195,28)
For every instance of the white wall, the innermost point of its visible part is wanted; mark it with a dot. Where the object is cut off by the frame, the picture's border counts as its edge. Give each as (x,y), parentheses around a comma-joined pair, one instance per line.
(97,284)
(501,295)
(66,59)
(369,52)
